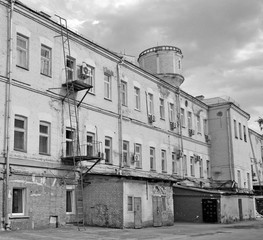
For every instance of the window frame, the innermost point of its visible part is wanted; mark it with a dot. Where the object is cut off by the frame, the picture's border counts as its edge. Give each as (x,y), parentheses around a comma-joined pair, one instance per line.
(21,130)
(198,123)
(23,199)
(201,168)
(235,129)
(185,172)
(20,50)
(245,133)
(240,131)
(164,160)
(189,120)
(45,135)
(46,60)
(137,96)
(150,104)
(208,169)
(162,109)
(192,166)
(107,87)
(182,113)
(138,153)
(90,146)
(152,159)
(128,204)
(70,68)
(108,148)
(126,152)
(70,142)
(71,190)
(124,93)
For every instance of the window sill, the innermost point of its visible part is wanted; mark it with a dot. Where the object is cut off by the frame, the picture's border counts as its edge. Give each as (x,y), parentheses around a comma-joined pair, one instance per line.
(163,119)
(108,99)
(138,110)
(20,150)
(27,69)
(153,170)
(70,213)
(43,74)
(19,217)
(45,154)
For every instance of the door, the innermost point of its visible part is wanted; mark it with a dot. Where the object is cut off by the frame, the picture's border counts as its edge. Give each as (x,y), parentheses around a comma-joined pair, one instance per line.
(157,211)
(137,212)
(240,210)
(209,210)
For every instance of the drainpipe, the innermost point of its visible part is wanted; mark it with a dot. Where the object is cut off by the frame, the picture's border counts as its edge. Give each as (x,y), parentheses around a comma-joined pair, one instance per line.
(119,112)
(180,128)
(7,113)
(230,144)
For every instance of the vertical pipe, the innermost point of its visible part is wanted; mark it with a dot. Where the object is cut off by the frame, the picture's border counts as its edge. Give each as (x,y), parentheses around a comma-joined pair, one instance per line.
(119,112)
(230,145)
(7,112)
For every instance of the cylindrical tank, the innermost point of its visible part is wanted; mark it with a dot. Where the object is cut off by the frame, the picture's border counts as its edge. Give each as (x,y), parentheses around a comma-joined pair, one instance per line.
(165,62)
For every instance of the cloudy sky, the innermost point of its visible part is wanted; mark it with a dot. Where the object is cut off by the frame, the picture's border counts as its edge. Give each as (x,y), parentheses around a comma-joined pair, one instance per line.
(221,40)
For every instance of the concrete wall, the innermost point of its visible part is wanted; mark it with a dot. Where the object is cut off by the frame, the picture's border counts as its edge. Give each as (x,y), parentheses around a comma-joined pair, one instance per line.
(230,210)
(146,190)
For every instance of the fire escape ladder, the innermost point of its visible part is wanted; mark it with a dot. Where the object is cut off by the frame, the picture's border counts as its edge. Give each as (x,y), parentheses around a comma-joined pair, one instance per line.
(74,123)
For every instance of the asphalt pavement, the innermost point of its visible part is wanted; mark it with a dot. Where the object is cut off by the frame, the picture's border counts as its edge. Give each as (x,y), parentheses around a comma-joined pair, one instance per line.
(245,230)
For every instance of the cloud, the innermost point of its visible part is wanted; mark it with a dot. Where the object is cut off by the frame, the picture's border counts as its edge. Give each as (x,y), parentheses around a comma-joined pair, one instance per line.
(221,40)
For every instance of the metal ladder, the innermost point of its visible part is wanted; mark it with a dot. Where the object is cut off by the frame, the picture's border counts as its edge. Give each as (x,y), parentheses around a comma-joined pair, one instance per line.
(74,123)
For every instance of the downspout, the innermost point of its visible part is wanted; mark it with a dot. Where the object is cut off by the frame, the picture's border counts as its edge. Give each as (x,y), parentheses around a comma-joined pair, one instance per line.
(180,129)
(119,112)
(230,144)
(7,113)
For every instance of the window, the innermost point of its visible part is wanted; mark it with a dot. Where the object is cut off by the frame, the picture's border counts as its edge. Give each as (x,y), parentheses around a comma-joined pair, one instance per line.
(163,157)
(18,201)
(150,104)
(208,172)
(201,168)
(198,124)
(162,113)
(185,165)
(189,119)
(125,153)
(124,93)
(192,166)
(90,138)
(248,180)
(89,77)
(20,133)
(152,158)
(130,203)
(70,68)
(107,86)
(44,138)
(22,50)
(171,112)
(182,117)
(174,163)
(239,178)
(108,150)
(205,127)
(138,154)
(235,128)
(245,133)
(45,60)
(69,141)
(137,98)
(240,130)
(69,201)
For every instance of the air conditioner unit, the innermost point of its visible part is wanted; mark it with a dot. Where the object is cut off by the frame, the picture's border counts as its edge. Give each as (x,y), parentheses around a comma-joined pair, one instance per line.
(197,158)
(151,118)
(172,125)
(135,158)
(179,154)
(207,138)
(85,71)
(191,132)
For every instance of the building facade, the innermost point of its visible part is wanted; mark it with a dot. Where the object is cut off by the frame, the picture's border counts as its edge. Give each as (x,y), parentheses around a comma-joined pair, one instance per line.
(136,135)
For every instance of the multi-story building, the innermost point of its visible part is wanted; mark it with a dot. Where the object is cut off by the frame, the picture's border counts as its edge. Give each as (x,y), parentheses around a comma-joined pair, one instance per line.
(90,137)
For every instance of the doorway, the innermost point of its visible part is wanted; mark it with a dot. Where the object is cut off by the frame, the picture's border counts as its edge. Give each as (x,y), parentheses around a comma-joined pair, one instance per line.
(137,212)
(157,211)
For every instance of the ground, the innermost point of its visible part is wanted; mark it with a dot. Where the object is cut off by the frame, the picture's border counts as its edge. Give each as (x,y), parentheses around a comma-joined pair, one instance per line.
(242,231)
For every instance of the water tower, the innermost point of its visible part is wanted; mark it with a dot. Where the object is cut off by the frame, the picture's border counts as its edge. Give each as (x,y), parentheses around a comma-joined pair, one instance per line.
(164,62)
